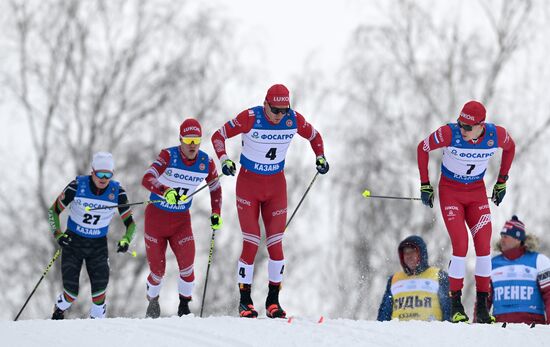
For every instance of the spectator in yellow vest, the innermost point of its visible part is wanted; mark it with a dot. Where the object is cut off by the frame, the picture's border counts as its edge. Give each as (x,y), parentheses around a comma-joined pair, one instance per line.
(420,291)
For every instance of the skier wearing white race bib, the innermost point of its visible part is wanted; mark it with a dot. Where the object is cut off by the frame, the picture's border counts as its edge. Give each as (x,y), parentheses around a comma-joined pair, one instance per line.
(467,146)
(85,239)
(261,185)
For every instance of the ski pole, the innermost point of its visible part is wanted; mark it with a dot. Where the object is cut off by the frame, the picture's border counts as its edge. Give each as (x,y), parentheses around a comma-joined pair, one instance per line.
(55,256)
(366,194)
(301,200)
(88,208)
(208,269)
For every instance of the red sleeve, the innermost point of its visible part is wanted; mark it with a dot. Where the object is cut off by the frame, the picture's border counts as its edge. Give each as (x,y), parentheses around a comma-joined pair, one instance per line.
(239,125)
(508,146)
(438,139)
(546,298)
(150,179)
(215,187)
(308,132)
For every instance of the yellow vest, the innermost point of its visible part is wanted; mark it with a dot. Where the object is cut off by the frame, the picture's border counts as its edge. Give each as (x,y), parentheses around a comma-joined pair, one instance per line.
(415,297)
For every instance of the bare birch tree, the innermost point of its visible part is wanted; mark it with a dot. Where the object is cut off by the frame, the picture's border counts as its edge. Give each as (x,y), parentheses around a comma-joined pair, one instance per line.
(103,75)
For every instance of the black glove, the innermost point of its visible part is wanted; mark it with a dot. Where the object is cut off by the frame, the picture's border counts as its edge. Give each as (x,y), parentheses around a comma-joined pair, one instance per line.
(427,194)
(123,245)
(322,164)
(499,190)
(229,168)
(64,240)
(216,221)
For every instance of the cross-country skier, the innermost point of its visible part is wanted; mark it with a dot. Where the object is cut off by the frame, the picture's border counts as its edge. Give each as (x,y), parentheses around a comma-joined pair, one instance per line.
(85,239)
(175,174)
(467,146)
(267,131)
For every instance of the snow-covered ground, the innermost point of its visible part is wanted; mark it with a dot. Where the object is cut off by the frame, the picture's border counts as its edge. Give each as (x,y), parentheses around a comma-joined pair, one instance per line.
(232,331)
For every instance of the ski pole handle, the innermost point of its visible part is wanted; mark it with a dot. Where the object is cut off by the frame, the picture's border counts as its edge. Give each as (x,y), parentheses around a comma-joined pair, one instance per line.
(88,208)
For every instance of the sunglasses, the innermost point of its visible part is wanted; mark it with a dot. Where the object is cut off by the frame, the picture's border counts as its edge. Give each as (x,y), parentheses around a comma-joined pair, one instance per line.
(102,175)
(466,127)
(277,110)
(190,140)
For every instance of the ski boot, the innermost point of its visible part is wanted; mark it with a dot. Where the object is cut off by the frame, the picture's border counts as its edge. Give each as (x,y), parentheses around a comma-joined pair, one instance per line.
(272,307)
(153,309)
(482,312)
(457,310)
(58,313)
(246,306)
(183,308)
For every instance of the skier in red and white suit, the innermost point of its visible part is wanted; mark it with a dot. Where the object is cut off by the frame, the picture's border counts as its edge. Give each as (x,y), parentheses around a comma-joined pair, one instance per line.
(174,175)
(467,147)
(261,186)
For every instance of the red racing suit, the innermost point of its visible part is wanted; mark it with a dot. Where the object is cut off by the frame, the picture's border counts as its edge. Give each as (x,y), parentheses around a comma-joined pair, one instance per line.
(171,224)
(261,183)
(462,193)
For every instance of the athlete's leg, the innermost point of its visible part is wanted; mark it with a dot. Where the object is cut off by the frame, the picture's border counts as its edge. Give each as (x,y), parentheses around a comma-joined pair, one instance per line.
(183,246)
(274,212)
(155,249)
(71,263)
(452,211)
(478,218)
(248,191)
(248,209)
(97,265)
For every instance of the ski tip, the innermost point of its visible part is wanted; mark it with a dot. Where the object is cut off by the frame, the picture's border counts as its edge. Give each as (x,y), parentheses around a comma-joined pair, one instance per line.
(134,254)
(290,319)
(321,320)
(532,325)
(366,193)
(504,325)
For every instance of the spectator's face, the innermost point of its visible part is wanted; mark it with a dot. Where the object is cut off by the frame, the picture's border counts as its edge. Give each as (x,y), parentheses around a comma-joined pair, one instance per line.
(508,242)
(411,257)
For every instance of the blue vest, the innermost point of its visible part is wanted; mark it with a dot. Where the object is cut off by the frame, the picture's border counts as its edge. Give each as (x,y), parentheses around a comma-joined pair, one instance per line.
(185,179)
(466,162)
(92,224)
(515,286)
(265,145)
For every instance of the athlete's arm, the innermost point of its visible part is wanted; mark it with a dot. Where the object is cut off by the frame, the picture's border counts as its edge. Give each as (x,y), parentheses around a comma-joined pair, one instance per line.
(150,179)
(386,306)
(126,215)
(443,294)
(62,201)
(508,146)
(438,139)
(308,132)
(543,279)
(215,188)
(239,125)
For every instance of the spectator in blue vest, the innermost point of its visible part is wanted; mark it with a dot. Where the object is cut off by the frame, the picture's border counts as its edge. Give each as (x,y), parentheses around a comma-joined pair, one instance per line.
(520,277)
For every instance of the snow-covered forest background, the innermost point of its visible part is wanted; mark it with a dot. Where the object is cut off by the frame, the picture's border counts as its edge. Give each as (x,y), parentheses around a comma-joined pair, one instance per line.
(77,77)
